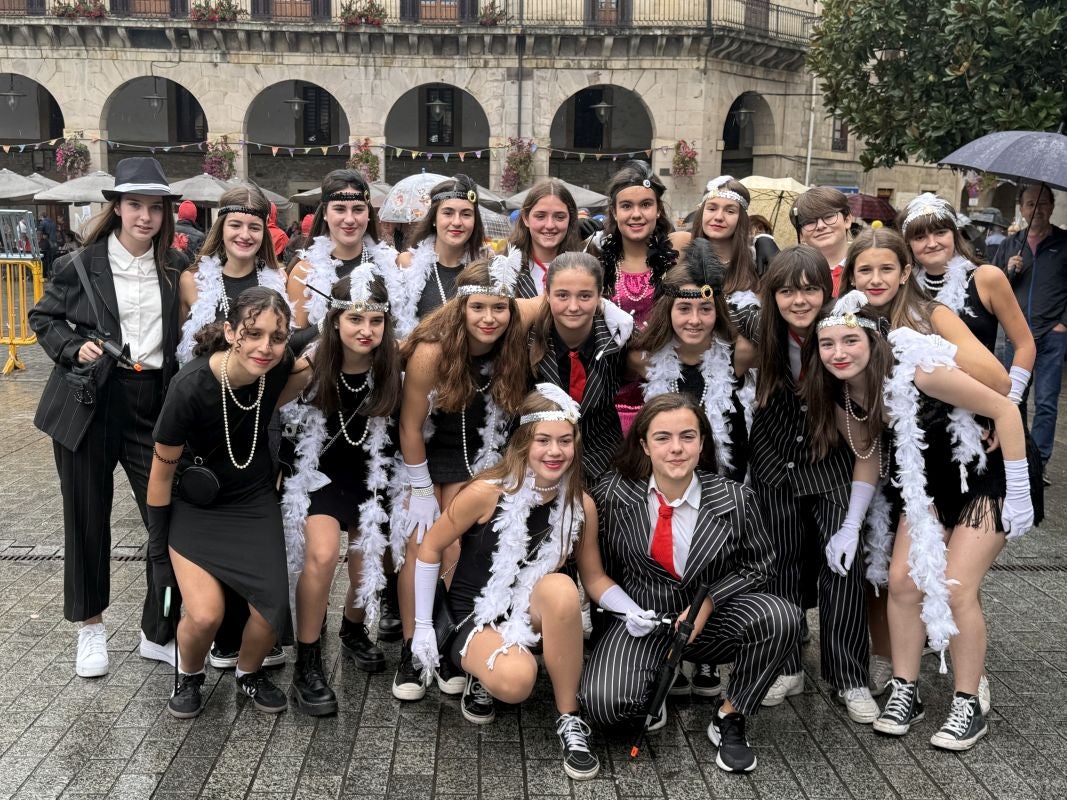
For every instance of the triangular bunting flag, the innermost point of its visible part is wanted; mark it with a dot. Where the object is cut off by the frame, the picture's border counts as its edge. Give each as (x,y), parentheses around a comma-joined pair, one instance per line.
(22,147)
(648,153)
(599,156)
(53,142)
(533,147)
(307,150)
(445,156)
(166,149)
(290,152)
(324,150)
(7,148)
(274,151)
(461,155)
(581,156)
(477,153)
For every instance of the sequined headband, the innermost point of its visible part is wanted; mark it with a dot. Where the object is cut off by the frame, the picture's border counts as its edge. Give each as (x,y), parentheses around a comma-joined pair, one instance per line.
(470,196)
(926,210)
(548,416)
(255,212)
(727,194)
(359,305)
(495,291)
(705,292)
(849,321)
(347,196)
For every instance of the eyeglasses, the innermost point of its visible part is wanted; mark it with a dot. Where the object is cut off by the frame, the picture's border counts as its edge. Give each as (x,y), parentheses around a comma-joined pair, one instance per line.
(825,219)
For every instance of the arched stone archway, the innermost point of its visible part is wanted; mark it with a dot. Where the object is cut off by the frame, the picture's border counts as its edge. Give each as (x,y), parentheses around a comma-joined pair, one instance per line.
(749,124)
(437,118)
(29,114)
(158,113)
(299,118)
(598,119)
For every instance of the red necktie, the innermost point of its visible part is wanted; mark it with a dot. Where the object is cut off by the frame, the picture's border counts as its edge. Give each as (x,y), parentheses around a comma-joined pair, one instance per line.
(663,537)
(577,383)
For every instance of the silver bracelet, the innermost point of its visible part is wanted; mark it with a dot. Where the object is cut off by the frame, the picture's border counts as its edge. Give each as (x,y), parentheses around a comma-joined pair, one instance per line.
(422,491)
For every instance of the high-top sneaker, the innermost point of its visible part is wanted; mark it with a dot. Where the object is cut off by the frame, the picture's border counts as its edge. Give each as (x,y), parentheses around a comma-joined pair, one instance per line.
(902,709)
(407,684)
(965,724)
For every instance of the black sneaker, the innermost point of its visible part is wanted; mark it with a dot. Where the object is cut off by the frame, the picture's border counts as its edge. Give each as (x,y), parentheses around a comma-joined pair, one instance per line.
(901,710)
(407,684)
(478,705)
(449,679)
(187,701)
(680,687)
(573,734)
(390,628)
(705,680)
(227,659)
(262,692)
(727,733)
(356,644)
(965,724)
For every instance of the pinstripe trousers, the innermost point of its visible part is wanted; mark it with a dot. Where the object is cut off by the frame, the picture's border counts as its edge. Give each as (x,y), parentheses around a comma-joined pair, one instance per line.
(120,433)
(754,630)
(800,527)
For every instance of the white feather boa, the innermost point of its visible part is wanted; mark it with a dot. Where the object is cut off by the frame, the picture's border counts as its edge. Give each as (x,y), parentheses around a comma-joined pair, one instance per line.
(927,555)
(878,542)
(210,291)
(322,275)
(954,293)
(664,371)
(415,278)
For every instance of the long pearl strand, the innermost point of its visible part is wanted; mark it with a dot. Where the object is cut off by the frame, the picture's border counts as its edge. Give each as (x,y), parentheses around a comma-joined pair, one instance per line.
(228,390)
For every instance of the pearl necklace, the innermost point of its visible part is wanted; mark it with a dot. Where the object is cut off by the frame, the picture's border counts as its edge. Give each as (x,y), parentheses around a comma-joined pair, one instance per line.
(876,445)
(936,283)
(624,291)
(224,301)
(463,427)
(440,286)
(227,389)
(546,489)
(341,416)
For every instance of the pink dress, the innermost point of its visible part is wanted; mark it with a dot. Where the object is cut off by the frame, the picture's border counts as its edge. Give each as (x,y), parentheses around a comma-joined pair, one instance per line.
(633,294)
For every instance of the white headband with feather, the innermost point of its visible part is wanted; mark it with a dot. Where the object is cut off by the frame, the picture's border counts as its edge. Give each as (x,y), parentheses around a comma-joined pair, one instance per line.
(714,189)
(927,205)
(360,292)
(844,313)
(568,408)
(503,272)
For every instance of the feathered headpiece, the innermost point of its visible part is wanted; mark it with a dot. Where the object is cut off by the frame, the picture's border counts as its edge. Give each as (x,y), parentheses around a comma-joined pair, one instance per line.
(503,272)
(714,189)
(844,313)
(462,188)
(361,279)
(568,409)
(927,205)
(704,268)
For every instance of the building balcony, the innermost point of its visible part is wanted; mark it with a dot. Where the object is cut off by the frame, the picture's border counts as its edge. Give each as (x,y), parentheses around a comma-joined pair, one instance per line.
(751,31)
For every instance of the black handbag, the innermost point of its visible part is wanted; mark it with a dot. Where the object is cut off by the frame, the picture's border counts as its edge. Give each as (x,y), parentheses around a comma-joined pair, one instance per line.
(198,484)
(445,625)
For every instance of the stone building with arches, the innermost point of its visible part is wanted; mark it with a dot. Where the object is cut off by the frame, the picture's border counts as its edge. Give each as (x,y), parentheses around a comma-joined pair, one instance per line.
(589,81)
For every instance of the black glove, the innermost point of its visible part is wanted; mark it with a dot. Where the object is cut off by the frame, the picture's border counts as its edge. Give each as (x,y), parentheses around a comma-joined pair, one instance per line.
(159,557)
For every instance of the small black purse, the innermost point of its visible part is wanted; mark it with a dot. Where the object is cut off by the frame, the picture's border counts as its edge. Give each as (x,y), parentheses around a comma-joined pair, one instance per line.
(444,624)
(198,485)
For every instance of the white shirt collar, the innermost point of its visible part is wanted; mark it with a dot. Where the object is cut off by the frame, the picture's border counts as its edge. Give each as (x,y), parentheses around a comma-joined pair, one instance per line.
(690,497)
(124,260)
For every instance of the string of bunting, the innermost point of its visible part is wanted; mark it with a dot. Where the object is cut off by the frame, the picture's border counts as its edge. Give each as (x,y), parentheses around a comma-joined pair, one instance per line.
(398,152)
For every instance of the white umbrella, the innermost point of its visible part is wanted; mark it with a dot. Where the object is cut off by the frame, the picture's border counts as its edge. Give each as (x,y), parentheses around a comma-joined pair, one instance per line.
(16,187)
(409,198)
(583,198)
(85,189)
(379,190)
(772,198)
(497,226)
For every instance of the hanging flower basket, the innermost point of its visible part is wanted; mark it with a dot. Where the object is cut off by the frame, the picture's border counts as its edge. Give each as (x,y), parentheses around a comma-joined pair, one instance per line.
(83,9)
(221,160)
(362,12)
(72,156)
(364,161)
(685,162)
(518,165)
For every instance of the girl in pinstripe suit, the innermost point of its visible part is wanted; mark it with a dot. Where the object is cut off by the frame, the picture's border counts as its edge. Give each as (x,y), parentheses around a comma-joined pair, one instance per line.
(665,528)
(547,226)
(805,498)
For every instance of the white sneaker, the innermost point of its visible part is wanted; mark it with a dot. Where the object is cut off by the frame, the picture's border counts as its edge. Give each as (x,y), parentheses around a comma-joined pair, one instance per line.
(785,686)
(984,698)
(881,674)
(156,652)
(92,651)
(860,705)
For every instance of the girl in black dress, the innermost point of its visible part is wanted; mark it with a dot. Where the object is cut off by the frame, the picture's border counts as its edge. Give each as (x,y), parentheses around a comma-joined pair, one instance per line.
(465,378)
(215,417)
(346,440)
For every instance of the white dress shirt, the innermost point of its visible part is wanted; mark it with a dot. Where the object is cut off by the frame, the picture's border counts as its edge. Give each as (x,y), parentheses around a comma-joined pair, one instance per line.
(140,302)
(683,522)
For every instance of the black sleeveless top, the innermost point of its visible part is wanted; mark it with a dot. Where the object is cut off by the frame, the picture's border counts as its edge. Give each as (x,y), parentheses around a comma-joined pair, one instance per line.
(984,322)
(233,288)
(475,563)
(430,300)
(445,448)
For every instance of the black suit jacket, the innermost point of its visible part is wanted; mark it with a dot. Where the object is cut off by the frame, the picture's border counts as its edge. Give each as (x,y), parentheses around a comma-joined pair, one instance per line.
(63,320)
(730,551)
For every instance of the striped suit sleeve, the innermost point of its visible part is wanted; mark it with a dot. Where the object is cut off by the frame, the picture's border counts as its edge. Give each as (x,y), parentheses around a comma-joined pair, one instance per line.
(50,318)
(754,553)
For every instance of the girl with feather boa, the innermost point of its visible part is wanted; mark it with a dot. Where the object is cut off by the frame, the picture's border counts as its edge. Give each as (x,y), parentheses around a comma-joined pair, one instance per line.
(516,524)
(343,446)
(956,497)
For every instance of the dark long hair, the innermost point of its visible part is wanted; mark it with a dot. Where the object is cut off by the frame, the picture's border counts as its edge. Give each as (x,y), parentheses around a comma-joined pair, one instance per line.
(824,392)
(632,462)
(337,181)
(520,233)
(541,331)
(794,267)
(384,396)
(741,272)
(427,226)
(447,327)
(250,304)
(700,266)
(249,197)
(108,221)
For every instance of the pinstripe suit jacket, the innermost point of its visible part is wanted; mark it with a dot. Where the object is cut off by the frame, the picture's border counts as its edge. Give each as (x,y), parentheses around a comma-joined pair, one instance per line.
(63,321)
(731,550)
(599,423)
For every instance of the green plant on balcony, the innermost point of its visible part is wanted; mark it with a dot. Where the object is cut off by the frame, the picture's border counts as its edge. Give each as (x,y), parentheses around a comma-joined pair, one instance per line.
(87,9)
(221,159)
(518,164)
(216,11)
(362,12)
(685,162)
(364,161)
(492,14)
(72,156)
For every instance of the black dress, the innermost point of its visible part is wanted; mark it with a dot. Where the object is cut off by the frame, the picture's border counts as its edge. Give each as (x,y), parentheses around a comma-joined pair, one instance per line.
(445,448)
(238,539)
(430,300)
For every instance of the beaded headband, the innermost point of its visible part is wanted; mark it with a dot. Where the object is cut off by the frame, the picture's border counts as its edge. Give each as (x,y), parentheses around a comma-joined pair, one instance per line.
(927,205)
(568,409)
(714,189)
(705,292)
(346,196)
(844,313)
(456,193)
(344,305)
(255,212)
(503,272)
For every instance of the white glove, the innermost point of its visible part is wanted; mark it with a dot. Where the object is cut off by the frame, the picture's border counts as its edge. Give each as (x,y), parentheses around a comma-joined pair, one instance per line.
(1020,379)
(424,642)
(943,345)
(620,323)
(1017,515)
(841,549)
(423,510)
(639,622)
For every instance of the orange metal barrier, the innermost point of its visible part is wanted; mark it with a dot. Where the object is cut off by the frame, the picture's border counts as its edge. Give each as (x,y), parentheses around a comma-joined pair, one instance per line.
(16,276)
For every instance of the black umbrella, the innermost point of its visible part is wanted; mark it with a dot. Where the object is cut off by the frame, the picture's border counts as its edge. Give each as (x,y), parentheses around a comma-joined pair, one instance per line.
(1033,156)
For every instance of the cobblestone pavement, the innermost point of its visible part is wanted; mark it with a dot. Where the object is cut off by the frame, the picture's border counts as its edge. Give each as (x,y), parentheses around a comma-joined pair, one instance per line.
(66,736)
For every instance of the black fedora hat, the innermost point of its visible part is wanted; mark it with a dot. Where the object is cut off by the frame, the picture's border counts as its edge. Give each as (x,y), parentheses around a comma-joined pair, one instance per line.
(141,175)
